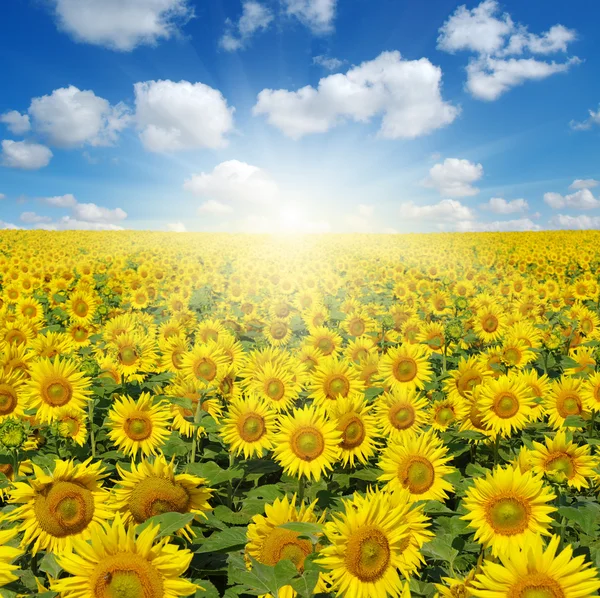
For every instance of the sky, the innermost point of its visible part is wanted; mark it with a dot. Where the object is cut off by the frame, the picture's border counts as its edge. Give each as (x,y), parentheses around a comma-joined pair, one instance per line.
(286,116)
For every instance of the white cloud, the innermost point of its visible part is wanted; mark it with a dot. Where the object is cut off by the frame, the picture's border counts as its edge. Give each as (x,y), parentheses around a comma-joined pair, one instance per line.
(331,64)
(593,119)
(581,222)
(178,116)
(91,212)
(318,15)
(33,218)
(255,17)
(2,196)
(584,184)
(61,201)
(176,227)
(365,210)
(488,78)
(25,155)
(68,223)
(447,209)
(121,24)
(454,177)
(498,205)
(581,200)
(519,225)
(493,36)
(8,226)
(233,181)
(69,117)
(212,206)
(407,93)
(16,122)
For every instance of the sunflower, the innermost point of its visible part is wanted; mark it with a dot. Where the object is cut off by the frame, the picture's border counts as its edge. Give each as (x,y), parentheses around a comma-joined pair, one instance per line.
(138,425)
(505,404)
(276,384)
(116,563)
(563,461)
(516,353)
(367,541)
(154,488)
(360,348)
(537,572)
(7,555)
(358,324)
(55,384)
(133,353)
(79,335)
(72,423)
(405,367)
(12,399)
(172,350)
(469,374)
(306,443)
(539,387)
(333,380)
(248,427)
(278,332)
(82,306)
(456,587)
(508,509)
(489,323)
(400,413)
(417,464)
(565,398)
(206,363)
(358,427)
(17,332)
(327,341)
(57,509)
(51,344)
(30,309)
(443,413)
(590,392)
(234,351)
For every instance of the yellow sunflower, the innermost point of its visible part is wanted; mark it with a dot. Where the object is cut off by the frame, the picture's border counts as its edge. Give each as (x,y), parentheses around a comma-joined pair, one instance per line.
(367,541)
(539,387)
(72,423)
(565,398)
(275,384)
(12,396)
(400,413)
(7,555)
(469,374)
(563,460)
(206,363)
(417,464)
(133,353)
(249,427)
(327,341)
(139,425)
(508,509)
(56,384)
(590,392)
(443,413)
(332,380)
(358,427)
(154,488)
(405,367)
(57,509)
(82,306)
(537,572)
(117,563)
(489,323)
(306,443)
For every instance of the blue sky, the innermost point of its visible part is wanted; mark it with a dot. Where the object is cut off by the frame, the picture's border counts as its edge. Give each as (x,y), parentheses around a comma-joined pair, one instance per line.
(300,115)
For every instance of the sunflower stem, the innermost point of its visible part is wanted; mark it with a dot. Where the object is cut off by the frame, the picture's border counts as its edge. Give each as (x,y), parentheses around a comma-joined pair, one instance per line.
(230,486)
(444,359)
(195,431)
(92,434)
(496,450)
(300,489)
(591,430)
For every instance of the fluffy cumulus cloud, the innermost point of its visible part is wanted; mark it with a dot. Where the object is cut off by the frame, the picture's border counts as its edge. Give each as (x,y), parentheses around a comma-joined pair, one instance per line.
(231,182)
(121,24)
(454,177)
(176,227)
(498,205)
(406,93)
(24,155)
(8,226)
(584,184)
(17,123)
(70,117)
(33,218)
(588,123)
(212,206)
(580,200)
(318,15)
(255,17)
(506,53)
(60,201)
(329,63)
(580,222)
(181,115)
(518,225)
(447,210)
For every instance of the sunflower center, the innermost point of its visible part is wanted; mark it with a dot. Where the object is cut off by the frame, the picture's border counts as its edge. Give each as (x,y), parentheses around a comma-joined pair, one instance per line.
(81,308)
(275,389)
(512,356)
(326,345)
(338,385)
(490,323)
(569,404)
(80,334)
(128,355)
(251,427)
(418,475)
(57,393)
(357,328)
(155,496)
(405,369)
(367,554)
(307,443)
(468,381)
(206,369)
(284,544)
(15,336)
(508,515)
(445,416)
(402,416)
(560,463)
(279,330)
(29,311)
(138,428)
(353,431)
(506,405)
(537,585)
(64,509)
(8,399)
(126,575)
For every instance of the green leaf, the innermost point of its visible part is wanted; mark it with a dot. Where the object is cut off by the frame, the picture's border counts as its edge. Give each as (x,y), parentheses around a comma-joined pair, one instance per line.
(225,514)
(304,528)
(587,517)
(372,392)
(574,421)
(227,540)
(305,584)
(440,548)
(269,492)
(49,565)
(369,474)
(208,589)
(261,579)
(169,523)
(214,474)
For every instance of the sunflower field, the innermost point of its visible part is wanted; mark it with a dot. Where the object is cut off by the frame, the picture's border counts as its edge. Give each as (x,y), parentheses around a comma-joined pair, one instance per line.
(339,415)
